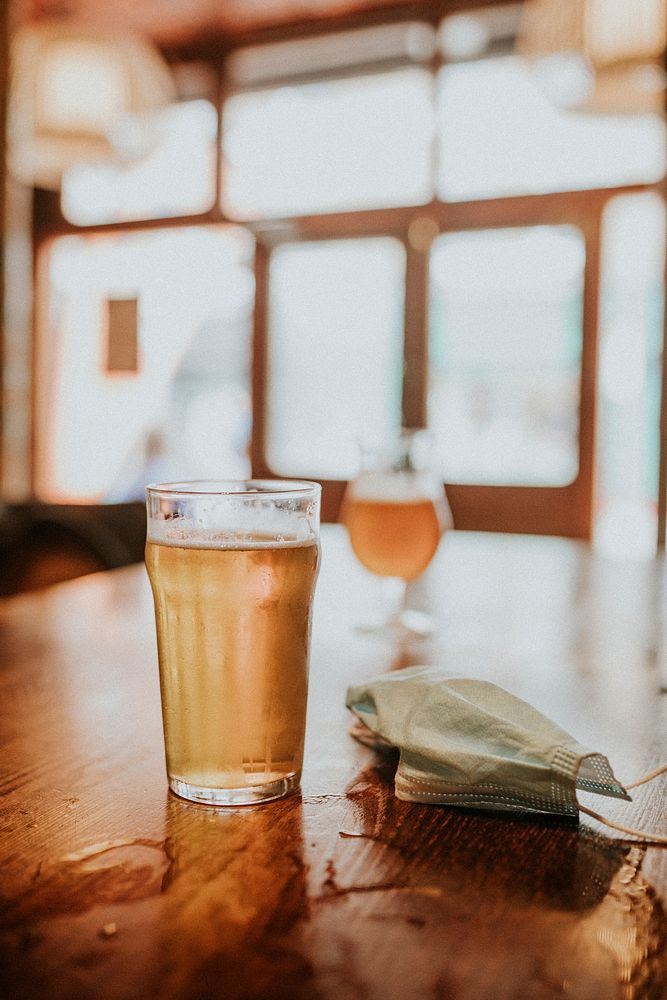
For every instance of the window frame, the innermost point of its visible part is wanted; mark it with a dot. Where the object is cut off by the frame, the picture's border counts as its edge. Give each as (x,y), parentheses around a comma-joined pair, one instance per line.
(558,510)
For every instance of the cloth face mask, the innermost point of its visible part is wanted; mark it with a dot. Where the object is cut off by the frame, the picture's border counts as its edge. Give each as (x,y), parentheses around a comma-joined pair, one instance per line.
(467,742)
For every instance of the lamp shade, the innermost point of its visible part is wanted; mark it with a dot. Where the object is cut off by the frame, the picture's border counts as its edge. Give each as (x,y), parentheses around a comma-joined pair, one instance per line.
(69,87)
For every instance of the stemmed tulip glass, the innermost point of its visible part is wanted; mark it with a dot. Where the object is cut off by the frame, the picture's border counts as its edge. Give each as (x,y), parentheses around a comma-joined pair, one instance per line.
(396,512)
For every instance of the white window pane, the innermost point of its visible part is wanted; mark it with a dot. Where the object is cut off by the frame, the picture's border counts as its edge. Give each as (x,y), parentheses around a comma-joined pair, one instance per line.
(175,177)
(335,352)
(631,323)
(411,41)
(337,144)
(505,345)
(500,135)
(185,412)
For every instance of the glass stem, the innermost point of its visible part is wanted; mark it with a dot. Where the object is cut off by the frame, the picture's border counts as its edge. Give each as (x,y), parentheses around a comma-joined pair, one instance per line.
(401,597)
(393,597)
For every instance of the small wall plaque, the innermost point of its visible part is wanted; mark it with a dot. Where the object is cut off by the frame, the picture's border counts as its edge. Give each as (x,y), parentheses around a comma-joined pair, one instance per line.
(122,347)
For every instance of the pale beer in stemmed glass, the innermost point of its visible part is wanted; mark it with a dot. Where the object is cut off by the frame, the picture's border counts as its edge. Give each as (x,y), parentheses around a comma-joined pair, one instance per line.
(396,512)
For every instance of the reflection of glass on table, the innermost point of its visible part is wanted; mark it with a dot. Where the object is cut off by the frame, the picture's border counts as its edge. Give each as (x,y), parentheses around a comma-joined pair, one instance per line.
(396,511)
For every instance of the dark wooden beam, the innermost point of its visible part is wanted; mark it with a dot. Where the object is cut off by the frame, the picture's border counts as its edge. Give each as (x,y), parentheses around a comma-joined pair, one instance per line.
(211,39)
(4,86)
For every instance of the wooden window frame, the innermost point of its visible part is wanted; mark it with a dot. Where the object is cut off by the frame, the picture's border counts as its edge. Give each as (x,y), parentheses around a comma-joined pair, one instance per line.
(559,510)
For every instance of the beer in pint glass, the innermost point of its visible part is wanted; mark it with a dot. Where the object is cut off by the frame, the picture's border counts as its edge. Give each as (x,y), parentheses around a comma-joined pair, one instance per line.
(232,566)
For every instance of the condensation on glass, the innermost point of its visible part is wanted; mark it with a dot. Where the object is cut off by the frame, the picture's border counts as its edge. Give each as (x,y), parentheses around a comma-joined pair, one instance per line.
(505,354)
(631,333)
(353,143)
(185,409)
(168,169)
(335,352)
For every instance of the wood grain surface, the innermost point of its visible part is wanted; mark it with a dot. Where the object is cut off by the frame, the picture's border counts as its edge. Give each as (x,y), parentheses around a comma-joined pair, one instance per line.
(112,888)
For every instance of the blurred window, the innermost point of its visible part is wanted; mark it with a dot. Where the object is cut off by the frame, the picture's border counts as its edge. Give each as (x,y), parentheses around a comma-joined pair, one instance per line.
(335,352)
(339,151)
(505,346)
(359,142)
(169,169)
(631,331)
(402,43)
(185,411)
(500,135)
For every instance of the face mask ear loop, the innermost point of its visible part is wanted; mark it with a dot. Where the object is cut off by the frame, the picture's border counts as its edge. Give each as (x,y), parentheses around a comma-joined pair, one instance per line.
(647,777)
(648,838)
(652,838)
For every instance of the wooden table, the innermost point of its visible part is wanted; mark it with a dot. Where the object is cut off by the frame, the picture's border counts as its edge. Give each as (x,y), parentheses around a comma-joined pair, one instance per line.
(111,888)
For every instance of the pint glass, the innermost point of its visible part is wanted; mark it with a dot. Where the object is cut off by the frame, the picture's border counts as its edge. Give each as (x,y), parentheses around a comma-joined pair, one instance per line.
(232,566)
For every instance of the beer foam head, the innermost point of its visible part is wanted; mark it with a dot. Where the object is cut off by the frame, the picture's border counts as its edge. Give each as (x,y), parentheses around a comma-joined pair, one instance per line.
(238,519)
(393,487)
(188,536)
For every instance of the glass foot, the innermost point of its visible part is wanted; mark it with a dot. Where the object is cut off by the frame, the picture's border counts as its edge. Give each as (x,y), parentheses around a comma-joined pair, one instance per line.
(406,624)
(250,795)
(416,623)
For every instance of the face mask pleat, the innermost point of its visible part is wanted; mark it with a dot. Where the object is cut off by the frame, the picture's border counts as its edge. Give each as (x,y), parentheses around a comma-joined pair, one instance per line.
(468,742)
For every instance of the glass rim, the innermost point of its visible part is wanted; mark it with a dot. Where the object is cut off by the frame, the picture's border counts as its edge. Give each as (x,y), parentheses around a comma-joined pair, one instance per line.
(287,488)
